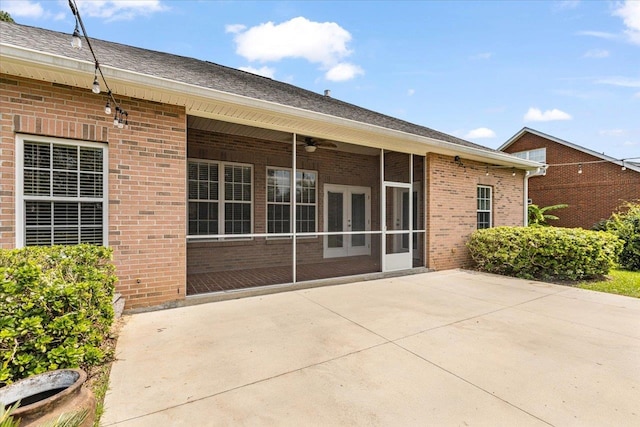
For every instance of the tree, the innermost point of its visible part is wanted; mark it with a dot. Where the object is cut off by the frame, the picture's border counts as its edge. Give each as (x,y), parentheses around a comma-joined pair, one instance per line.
(4,16)
(538,217)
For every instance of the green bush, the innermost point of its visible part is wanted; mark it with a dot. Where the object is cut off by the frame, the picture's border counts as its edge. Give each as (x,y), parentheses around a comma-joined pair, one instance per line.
(545,253)
(626,225)
(55,308)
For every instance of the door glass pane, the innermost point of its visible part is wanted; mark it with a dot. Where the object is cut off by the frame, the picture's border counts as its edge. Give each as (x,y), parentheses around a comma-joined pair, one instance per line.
(334,219)
(405,218)
(358,219)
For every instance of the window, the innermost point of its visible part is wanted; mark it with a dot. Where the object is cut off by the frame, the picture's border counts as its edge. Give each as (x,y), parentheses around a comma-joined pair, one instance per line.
(484,207)
(220,198)
(279,201)
(61,192)
(537,155)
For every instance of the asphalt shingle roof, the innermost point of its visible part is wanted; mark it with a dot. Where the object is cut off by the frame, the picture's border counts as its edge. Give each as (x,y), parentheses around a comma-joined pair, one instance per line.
(209,75)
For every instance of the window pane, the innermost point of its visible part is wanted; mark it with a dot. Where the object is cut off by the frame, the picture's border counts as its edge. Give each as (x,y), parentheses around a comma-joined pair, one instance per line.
(65,184)
(91,235)
(38,236)
(65,157)
(65,213)
(37,213)
(65,236)
(37,182)
(90,159)
(90,214)
(37,156)
(90,185)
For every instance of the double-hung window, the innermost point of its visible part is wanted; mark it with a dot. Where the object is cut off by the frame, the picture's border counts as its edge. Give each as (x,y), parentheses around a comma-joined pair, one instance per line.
(61,192)
(484,207)
(279,205)
(220,198)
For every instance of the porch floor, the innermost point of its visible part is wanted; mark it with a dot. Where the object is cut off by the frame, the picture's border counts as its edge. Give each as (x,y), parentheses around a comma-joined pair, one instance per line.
(220,281)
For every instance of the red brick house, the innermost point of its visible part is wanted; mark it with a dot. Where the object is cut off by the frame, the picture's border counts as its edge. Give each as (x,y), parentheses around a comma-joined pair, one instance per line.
(224,180)
(594,185)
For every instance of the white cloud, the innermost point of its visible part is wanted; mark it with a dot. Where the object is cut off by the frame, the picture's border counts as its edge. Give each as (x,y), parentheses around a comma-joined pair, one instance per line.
(343,72)
(637,95)
(234,28)
(629,11)
(23,8)
(567,4)
(596,53)
(117,10)
(630,143)
(411,92)
(480,133)
(323,43)
(536,115)
(611,132)
(598,34)
(620,81)
(483,55)
(262,71)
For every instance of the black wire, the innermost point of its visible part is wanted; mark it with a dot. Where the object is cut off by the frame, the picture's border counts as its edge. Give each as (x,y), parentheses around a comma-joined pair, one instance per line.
(76,13)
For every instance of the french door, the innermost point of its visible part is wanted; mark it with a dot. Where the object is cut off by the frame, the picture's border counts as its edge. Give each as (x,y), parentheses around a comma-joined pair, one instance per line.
(347,209)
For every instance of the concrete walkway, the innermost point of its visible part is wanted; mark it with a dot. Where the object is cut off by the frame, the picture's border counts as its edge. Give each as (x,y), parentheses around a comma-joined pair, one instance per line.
(450,348)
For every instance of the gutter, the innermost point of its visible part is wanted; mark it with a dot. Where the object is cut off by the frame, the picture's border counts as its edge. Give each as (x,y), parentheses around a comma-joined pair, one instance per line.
(416,144)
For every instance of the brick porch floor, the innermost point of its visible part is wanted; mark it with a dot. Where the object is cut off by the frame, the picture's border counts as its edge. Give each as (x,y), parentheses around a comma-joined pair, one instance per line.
(241,279)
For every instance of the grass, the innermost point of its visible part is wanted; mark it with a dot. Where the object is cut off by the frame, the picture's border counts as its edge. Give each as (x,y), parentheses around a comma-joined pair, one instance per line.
(619,282)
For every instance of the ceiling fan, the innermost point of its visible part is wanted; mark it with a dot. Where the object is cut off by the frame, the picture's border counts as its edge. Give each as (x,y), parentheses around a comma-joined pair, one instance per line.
(311,144)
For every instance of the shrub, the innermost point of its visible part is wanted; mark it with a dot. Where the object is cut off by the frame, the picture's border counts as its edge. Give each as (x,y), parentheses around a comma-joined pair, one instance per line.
(626,225)
(545,253)
(55,308)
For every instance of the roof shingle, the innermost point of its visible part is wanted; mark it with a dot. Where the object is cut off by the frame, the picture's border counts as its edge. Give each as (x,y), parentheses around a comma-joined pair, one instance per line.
(210,75)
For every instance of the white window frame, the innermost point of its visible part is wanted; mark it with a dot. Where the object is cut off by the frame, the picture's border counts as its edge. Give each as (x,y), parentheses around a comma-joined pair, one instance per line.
(527,155)
(490,210)
(221,198)
(20,199)
(293,187)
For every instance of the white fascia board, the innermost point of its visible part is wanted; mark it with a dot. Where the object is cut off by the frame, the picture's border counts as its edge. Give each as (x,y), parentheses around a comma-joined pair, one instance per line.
(409,142)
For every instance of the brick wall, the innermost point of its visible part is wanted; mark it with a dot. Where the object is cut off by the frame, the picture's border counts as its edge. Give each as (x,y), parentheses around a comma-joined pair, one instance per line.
(592,195)
(452,204)
(147,173)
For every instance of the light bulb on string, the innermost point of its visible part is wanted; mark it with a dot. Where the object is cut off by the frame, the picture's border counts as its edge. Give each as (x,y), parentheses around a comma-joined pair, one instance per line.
(76,41)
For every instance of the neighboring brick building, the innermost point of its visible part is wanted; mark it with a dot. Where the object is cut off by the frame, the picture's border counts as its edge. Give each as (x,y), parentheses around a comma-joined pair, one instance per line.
(594,185)
(199,193)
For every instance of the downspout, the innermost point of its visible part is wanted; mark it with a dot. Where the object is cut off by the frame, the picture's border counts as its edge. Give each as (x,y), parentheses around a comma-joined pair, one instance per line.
(542,171)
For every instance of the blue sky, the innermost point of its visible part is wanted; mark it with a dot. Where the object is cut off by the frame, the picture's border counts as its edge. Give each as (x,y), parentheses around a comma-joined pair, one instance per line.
(478,70)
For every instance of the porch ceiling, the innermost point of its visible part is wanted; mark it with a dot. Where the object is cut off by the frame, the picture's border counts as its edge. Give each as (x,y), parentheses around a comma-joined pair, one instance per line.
(267,118)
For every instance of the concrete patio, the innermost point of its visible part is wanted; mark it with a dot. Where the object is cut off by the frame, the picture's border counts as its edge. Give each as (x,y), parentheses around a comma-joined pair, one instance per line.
(444,349)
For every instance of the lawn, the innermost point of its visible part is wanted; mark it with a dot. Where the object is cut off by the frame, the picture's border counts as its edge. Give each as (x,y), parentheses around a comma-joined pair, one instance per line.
(620,282)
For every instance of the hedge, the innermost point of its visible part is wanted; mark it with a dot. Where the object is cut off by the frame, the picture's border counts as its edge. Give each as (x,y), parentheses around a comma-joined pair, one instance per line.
(55,308)
(544,253)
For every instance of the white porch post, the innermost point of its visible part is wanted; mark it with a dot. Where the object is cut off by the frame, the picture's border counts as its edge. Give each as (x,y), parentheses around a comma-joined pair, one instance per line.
(383,219)
(293,204)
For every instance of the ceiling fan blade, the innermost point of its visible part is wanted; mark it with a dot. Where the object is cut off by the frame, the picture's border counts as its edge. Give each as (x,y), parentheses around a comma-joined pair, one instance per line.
(326,144)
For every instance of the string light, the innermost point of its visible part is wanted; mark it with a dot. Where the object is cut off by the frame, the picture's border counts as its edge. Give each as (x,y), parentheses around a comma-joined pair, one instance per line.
(121,117)
(96,86)
(107,107)
(76,41)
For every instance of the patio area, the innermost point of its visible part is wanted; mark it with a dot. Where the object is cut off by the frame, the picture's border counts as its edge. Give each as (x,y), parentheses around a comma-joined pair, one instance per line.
(443,348)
